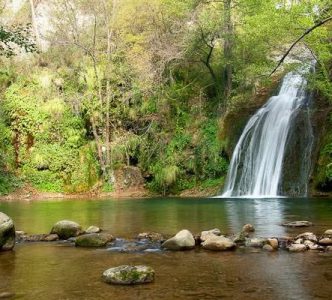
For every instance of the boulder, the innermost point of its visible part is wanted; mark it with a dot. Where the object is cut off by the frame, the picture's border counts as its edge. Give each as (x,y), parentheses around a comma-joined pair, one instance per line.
(268,248)
(183,240)
(209,233)
(298,241)
(218,243)
(248,228)
(297,248)
(128,275)
(325,241)
(93,240)
(311,245)
(93,229)
(66,229)
(307,236)
(298,224)
(273,243)
(328,232)
(256,242)
(7,233)
(329,248)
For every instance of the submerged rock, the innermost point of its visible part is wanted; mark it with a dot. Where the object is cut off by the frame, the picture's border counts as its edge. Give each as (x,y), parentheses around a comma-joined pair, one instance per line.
(218,243)
(256,242)
(7,233)
(298,224)
(183,240)
(129,275)
(66,229)
(93,229)
(297,248)
(93,240)
(329,248)
(209,233)
(248,228)
(152,236)
(38,238)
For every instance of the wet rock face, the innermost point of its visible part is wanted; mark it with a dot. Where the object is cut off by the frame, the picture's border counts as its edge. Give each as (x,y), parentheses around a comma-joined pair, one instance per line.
(183,240)
(66,229)
(93,240)
(7,233)
(129,275)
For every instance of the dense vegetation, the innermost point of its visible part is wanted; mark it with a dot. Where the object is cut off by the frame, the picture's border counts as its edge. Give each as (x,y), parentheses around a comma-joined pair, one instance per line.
(142,84)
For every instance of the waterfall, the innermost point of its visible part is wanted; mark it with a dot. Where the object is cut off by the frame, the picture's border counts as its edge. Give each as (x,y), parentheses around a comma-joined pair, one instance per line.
(257,164)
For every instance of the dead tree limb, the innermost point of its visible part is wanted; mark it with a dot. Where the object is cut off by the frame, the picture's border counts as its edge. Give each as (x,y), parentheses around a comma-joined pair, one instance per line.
(299,39)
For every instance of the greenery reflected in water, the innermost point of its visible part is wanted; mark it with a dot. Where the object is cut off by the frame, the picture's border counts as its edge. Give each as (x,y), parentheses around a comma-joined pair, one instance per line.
(168,215)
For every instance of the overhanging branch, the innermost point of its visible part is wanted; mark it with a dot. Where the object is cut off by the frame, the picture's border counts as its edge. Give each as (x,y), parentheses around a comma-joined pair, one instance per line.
(299,39)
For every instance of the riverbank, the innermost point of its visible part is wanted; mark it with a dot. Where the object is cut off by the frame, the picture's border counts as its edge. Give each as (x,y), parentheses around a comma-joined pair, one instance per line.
(28,193)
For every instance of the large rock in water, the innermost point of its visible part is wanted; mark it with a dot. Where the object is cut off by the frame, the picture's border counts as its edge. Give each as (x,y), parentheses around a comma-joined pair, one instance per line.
(128,275)
(7,233)
(183,240)
(218,243)
(66,229)
(93,240)
(209,233)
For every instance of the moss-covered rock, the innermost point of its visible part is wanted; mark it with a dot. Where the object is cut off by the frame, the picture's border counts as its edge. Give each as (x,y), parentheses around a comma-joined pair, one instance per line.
(66,229)
(128,275)
(7,233)
(93,240)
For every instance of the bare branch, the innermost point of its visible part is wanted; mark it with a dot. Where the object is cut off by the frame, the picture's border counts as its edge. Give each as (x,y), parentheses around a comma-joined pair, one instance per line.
(320,23)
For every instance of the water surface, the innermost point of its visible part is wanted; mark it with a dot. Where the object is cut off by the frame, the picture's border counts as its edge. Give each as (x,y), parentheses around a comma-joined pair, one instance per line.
(59,271)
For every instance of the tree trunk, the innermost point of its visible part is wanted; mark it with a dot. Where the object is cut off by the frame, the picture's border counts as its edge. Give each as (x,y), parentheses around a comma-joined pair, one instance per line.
(228,47)
(33,5)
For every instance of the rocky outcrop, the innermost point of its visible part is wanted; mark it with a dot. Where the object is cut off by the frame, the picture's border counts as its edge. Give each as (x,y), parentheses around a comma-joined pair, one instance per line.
(93,240)
(7,233)
(129,275)
(183,240)
(66,229)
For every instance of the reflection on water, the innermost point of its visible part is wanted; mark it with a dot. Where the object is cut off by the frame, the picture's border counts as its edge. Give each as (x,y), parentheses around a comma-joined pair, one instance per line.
(58,271)
(129,217)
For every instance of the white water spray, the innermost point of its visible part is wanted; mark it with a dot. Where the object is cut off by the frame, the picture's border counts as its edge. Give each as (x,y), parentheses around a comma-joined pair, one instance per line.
(257,162)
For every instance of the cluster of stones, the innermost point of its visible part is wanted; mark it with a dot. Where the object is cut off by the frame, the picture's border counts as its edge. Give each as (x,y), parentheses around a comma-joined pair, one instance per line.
(184,240)
(215,241)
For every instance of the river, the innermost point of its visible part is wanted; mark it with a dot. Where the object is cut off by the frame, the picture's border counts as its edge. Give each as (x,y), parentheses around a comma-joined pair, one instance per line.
(60,271)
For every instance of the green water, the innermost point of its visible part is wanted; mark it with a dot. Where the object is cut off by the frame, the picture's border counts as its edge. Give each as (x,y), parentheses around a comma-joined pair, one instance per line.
(60,271)
(168,215)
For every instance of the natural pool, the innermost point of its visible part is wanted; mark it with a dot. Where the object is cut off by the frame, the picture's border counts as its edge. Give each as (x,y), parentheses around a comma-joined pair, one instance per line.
(58,271)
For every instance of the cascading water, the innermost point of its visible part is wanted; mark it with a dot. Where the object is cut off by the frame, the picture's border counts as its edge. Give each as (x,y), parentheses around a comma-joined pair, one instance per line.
(257,165)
